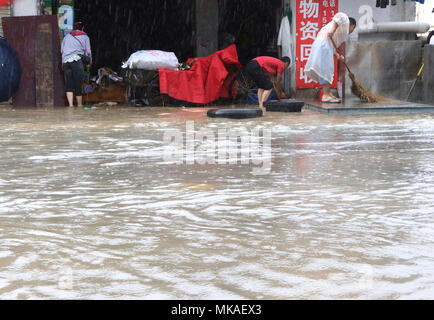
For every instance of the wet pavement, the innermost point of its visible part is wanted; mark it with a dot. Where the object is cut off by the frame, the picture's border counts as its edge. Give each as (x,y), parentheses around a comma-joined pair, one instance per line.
(353,105)
(91,209)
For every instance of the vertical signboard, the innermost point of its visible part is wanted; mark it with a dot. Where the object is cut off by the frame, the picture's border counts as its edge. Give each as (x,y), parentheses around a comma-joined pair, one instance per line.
(65,16)
(312,15)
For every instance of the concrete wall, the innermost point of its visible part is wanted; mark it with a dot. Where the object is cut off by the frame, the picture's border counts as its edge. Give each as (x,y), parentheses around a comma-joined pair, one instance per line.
(428,76)
(207,20)
(358,9)
(387,68)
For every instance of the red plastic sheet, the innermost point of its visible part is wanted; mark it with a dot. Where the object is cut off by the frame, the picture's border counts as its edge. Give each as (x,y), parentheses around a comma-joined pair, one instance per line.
(207,81)
(5,2)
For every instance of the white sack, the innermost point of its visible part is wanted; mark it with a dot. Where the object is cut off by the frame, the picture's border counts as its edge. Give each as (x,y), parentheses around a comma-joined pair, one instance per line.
(152,60)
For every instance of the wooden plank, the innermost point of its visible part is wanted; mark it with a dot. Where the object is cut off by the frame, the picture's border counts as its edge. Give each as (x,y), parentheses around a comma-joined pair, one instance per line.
(21,33)
(44,66)
(115,92)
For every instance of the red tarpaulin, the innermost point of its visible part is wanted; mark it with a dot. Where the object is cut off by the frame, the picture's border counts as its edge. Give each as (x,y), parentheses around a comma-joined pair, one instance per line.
(206,81)
(5,2)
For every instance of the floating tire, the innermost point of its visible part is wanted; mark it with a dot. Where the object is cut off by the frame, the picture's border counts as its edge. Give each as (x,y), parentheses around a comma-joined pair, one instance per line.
(287,105)
(247,113)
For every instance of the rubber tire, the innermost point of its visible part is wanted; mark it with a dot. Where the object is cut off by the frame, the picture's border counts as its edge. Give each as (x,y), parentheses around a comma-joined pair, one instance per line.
(246,113)
(287,105)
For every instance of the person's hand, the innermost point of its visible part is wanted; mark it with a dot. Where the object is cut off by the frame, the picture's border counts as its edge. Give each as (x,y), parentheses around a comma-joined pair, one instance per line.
(341,57)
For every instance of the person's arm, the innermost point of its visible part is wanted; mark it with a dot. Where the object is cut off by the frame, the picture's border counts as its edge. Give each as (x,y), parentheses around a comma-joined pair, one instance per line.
(62,46)
(279,85)
(272,81)
(89,50)
(279,88)
(274,85)
(330,34)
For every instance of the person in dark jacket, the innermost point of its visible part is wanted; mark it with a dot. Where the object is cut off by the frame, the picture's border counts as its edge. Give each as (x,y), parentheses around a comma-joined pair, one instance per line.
(74,45)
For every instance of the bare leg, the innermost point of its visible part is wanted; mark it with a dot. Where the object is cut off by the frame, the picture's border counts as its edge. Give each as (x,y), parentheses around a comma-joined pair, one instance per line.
(70,98)
(260,95)
(79,101)
(327,94)
(265,97)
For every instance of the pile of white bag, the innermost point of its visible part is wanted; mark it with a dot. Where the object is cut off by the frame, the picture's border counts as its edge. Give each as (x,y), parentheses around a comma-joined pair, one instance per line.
(152,60)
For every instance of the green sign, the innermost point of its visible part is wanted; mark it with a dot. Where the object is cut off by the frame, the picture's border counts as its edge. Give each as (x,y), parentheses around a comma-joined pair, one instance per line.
(47,7)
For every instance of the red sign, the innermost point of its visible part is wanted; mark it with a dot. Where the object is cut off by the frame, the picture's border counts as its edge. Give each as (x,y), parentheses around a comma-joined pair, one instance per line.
(5,2)
(312,15)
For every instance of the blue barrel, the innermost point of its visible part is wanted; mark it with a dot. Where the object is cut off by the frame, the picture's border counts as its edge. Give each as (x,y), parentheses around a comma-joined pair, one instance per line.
(10,70)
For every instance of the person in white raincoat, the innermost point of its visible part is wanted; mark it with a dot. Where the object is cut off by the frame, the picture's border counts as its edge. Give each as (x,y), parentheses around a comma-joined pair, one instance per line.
(320,66)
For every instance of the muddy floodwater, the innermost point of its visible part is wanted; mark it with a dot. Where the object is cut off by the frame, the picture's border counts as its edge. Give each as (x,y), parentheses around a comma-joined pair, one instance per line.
(91,207)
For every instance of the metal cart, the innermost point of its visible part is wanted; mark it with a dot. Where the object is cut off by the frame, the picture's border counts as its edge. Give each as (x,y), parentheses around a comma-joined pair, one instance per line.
(148,82)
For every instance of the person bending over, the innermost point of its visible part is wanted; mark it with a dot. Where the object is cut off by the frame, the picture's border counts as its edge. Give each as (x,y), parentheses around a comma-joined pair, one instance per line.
(75,44)
(262,70)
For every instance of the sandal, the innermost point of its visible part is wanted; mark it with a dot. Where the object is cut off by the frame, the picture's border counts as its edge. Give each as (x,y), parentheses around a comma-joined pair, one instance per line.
(333,100)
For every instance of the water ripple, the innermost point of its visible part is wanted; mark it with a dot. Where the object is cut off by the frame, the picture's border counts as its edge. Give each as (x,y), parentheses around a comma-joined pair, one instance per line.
(90,210)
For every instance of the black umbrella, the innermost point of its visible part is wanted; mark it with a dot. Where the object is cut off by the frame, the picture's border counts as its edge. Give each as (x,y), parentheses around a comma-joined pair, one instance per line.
(10,71)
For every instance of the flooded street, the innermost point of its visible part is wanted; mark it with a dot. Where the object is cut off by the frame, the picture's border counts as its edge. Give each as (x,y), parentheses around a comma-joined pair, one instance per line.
(90,209)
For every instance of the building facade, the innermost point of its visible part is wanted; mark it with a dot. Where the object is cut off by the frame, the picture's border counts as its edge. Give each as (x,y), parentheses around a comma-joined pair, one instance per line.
(194,28)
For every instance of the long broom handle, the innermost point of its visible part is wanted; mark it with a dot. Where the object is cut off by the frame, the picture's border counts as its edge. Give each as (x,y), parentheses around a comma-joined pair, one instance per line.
(414,83)
(345,64)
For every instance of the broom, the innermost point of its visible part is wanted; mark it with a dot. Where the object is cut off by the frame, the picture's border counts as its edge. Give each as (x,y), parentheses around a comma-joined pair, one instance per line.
(358,90)
(415,81)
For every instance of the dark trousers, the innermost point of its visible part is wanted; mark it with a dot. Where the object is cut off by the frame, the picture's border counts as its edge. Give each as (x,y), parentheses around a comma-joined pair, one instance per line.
(257,74)
(74,76)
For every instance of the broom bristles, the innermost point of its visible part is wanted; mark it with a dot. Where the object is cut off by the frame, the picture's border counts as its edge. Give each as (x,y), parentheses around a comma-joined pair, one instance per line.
(365,95)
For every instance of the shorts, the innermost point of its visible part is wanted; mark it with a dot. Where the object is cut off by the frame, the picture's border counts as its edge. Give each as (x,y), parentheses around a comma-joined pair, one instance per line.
(261,79)
(74,76)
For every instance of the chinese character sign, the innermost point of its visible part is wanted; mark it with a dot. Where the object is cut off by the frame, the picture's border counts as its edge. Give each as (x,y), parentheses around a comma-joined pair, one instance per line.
(65,16)
(312,15)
